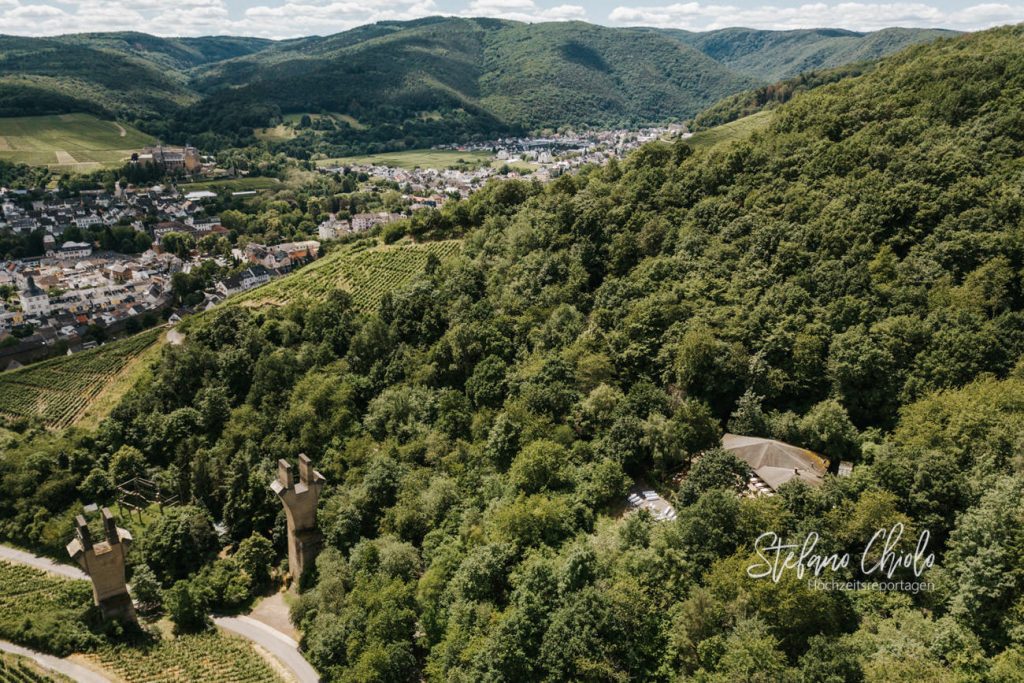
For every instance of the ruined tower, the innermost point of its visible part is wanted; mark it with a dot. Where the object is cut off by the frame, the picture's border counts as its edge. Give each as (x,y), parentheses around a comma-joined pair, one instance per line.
(104,562)
(299,499)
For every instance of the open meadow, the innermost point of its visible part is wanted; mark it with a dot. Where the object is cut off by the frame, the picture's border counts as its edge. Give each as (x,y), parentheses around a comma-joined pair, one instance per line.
(73,142)
(415,158)
(232,184)
(733,130)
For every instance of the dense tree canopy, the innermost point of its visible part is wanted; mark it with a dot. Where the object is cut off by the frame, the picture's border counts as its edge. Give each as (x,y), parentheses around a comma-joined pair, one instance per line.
(848,280)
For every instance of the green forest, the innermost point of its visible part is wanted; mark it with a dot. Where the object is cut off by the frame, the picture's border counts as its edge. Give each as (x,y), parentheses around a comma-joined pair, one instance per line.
(398,85)
(846,279)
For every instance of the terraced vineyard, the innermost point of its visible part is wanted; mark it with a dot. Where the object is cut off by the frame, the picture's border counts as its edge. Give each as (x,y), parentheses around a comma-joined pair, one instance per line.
(22,670)
(367,274)
(32,602)
(59,389)
(28,595)
(208,656)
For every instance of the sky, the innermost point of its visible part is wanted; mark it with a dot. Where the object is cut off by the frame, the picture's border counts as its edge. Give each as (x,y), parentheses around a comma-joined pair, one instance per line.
(293,18)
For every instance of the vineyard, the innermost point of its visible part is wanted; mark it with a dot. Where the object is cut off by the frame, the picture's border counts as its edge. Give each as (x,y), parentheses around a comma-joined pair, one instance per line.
(208,656)
(366,273)
(58,390)
(15,669)
(30,599)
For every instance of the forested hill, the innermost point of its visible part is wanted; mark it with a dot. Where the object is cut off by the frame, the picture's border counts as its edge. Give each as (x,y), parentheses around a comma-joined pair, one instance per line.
(444,79)
(412,83)
(777,55)
(122,75)
(848,279)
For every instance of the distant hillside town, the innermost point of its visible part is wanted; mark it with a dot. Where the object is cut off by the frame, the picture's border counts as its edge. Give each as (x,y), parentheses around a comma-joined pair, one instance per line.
(540,158)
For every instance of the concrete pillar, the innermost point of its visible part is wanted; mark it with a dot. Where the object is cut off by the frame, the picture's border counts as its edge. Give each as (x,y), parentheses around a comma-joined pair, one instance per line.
(300,500)
(104,562)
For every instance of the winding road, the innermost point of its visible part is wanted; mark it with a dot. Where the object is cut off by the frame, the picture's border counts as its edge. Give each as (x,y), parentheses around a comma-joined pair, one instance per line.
(281,646)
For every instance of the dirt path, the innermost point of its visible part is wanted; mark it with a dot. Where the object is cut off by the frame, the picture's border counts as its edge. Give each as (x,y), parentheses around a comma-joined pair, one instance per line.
(75,672)
(120,129)
(275,613)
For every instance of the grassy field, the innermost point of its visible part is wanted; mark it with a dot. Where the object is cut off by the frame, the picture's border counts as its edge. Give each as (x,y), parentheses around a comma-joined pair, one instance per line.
(289,128)
(60,390)
(415,158)
(366,273)
(32,601)
(75,142)
(734,130)
(232,184)
(277,133)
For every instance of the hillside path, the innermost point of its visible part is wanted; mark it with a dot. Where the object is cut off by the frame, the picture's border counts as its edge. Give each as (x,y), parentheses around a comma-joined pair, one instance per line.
(75,672)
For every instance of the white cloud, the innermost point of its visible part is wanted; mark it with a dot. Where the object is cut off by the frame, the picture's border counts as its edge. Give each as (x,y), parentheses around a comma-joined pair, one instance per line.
(695,16)
(523,10)
(292,18)
(274,19)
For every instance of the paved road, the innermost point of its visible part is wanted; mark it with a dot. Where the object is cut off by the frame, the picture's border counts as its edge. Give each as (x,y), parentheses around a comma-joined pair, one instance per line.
(75,672)
(281,646)
(44,563)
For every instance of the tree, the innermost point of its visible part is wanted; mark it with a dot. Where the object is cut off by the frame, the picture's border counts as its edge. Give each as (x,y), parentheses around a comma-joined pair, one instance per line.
(127,463)
(180,244)
(827,429)
(186,603)
(983,561)
(710,369)
(716,469)
(179,543)
(146,589)
(538,467)
(255,556)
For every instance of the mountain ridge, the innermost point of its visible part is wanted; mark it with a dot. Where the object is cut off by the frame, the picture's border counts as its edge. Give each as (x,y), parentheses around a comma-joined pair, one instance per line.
(415,83)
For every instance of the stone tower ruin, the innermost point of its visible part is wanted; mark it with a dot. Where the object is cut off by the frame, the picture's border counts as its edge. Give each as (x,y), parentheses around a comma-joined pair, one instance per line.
(104,562)
(300,499)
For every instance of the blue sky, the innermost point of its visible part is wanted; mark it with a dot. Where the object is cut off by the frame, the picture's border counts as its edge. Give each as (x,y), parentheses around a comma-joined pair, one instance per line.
(290,18)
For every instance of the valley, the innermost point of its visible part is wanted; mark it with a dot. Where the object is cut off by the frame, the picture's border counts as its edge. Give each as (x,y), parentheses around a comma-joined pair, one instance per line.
(486,350)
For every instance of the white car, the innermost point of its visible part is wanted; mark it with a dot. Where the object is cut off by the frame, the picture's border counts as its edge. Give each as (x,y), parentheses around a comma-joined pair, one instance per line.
(650,495)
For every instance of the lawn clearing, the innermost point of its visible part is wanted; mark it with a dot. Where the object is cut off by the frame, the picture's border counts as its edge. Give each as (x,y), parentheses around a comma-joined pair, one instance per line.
(68,141)
(734,130)
(415,158)
(232,184)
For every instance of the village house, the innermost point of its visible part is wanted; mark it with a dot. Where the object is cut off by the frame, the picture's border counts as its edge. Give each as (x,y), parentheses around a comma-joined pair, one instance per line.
(253,276)
(34,301)
(365,221)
